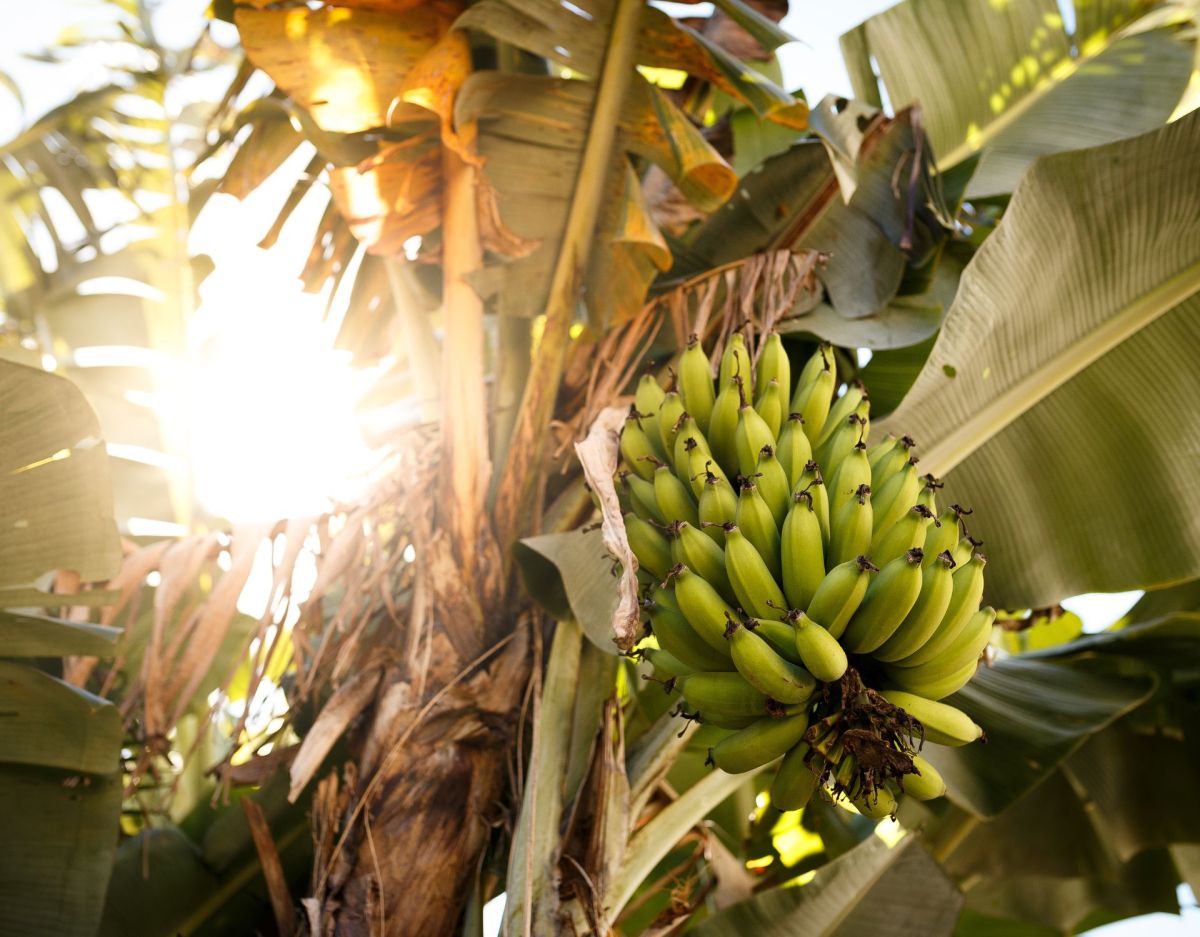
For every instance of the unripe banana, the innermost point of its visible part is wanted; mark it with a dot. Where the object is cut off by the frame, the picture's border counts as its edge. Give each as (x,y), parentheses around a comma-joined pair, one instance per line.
(702,606)
(819,651)
(700,465)
(722,424)
(922,621)
(718,507)
(680,639)
(757,524)
(764,669)
(941,535)
(635,447)
(890,597)
(755,587)
(674,497)
(642,499)
(652,549)
(774,365)
(794,782)
(853,472)
(814,392)
(758,744)
(841,410)
(780,635)
(840,593)
(863,412)
(751,435)
(851,529)
(925,783)
(696,383)
(707,735)
(772,483)
(701,555)
(665,664)
(725,692)
(906,534)
(878,805)
(964,602)
(931,681)
(887,459)
(685,430)
(928,495)
(837,446)
(669,413)
(723,719)
(896,496)
(735,360)
(943,724)
(802,552)
(772,406)
(649,398)
(794,450)
(965,549)
(813,482)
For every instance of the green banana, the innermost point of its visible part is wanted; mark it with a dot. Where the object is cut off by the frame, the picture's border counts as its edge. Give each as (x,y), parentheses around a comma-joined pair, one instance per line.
(635,447)
(664,663)
(641,497)
(863,412)
(652,549)
(718,506)
(922,620)
(674,496)
(965,549)
(699,553)
(888,458)
(925,783)
(780,635)
(929,680)
(840,593)
(649,396)
(771,406)
(735,360)
(906,534)
(878,805)
(889,598)
(669,412)
(725,691)
(853,472)
(686,429)
(943,724)
(680,639)
(757,523)
(764,668)
(696,383)
(772,483)
(841,409)
(794,450)
(702,607)
(896,496)
(819,651)
(841,441)
(941,535)
(928,495)
(802,552)
(814,392)
(758,744)
(701,464)
(774,364)
(794,782)
(814,483)
(851,528)
(964,602)
(755,587)
(722,424)
(751,434)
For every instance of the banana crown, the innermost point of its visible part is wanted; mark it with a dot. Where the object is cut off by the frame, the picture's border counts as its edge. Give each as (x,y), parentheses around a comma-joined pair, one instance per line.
(804,588)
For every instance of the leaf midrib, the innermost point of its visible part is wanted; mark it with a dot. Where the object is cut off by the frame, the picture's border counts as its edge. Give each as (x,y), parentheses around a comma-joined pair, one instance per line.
(1053,373)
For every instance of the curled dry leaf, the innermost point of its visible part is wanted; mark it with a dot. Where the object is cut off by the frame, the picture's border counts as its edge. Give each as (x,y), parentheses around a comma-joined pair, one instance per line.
(349,700)
(598,456)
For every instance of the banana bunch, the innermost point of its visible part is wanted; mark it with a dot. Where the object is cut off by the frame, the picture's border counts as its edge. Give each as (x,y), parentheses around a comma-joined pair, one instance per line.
(807,597)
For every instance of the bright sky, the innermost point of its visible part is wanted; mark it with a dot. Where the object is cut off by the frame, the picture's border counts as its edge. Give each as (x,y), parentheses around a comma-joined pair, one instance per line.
(813,64)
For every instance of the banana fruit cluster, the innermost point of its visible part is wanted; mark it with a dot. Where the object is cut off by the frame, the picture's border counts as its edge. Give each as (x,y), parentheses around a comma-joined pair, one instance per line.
(808,599)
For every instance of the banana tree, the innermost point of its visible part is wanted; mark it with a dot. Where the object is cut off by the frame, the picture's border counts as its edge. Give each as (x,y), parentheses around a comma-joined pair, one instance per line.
(540,202)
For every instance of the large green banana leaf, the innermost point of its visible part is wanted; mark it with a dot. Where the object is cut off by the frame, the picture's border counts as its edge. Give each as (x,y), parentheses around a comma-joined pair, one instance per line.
(1008,79)
(60,784)
(1058,397)
(871,890)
